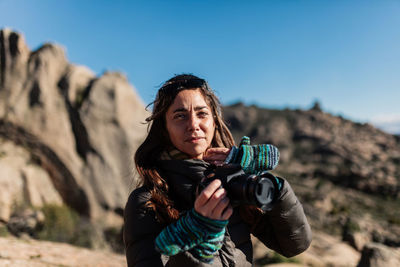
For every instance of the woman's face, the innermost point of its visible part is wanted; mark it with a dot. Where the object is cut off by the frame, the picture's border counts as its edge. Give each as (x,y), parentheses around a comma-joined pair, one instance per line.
(190,123)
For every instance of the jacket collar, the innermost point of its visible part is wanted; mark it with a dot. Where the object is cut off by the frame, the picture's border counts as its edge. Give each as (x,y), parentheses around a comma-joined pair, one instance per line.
(182,177)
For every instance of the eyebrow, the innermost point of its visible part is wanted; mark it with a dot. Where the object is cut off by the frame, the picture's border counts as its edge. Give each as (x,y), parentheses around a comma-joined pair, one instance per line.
(184,109)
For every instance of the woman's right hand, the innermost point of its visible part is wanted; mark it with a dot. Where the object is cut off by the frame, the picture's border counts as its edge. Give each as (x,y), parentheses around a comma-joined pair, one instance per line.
(213,203)
(216,155)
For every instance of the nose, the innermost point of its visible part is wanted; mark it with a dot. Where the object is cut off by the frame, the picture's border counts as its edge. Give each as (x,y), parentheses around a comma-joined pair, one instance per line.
(193,123)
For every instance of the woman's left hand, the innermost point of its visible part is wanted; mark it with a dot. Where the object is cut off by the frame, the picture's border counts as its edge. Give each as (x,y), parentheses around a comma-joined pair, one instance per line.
(216,155)
(213,202)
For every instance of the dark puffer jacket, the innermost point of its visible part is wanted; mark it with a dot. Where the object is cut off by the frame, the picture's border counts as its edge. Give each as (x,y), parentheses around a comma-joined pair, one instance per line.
(284,229)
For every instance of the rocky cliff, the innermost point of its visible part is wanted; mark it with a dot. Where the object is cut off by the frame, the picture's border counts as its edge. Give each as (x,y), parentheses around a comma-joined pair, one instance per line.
(66,135)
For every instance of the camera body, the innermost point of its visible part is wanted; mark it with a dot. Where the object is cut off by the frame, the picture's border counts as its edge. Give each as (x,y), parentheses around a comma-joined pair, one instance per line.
(248,189)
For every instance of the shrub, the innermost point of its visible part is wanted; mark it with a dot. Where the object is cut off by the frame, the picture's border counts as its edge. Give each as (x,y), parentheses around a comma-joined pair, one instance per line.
(350,227)
(113,236)
(393,220)
(320,184)
(274,257)
(63,224)
(3,231)
(339,209)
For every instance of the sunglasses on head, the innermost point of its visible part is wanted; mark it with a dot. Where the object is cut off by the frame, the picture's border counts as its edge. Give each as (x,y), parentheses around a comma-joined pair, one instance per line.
(184,84)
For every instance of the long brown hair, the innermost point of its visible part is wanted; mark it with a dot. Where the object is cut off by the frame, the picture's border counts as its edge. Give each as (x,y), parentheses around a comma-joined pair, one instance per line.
(158,140)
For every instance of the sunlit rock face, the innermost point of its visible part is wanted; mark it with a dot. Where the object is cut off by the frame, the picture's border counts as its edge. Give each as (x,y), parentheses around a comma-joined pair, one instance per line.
(66,136)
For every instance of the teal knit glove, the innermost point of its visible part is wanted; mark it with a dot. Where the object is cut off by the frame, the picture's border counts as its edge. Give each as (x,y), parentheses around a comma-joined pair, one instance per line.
(254,158)
(192,231)
(205,251)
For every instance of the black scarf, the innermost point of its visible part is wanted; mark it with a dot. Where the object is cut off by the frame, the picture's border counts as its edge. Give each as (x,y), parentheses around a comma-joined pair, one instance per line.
(183,177)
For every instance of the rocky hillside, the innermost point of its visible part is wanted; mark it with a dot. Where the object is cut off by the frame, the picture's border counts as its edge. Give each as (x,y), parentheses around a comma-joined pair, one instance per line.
(315,144)
(346,174)
(66,135)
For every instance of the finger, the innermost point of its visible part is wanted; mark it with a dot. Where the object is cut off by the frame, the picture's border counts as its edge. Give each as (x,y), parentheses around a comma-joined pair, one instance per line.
(207,209)
(207,192)
(227,213)
(221,206)
(217,150)
(214,200)
(211,157)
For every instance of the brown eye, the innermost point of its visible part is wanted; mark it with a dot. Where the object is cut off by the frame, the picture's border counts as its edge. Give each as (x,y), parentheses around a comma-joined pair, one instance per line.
(202,114)
(179,116)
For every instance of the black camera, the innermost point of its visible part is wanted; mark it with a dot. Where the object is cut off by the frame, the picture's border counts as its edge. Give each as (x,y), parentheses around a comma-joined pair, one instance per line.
(249,189)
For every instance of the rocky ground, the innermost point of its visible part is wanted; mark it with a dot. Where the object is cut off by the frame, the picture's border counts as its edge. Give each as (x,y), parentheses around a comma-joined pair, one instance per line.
(33,253)
(29,252)
(324,251)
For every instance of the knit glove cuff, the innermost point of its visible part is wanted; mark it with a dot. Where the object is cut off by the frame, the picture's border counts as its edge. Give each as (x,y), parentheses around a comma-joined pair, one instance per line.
(206,251)
(254,158)
(189,231)
(211,226)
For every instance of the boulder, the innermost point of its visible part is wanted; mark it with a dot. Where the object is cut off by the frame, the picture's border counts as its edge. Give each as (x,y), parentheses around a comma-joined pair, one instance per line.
(378,255)
(358,240)
(25,222)
(22,182)
(329,251)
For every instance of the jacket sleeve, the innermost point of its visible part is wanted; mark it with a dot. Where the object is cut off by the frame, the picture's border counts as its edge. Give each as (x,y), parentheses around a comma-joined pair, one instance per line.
(140,231)
(284,228)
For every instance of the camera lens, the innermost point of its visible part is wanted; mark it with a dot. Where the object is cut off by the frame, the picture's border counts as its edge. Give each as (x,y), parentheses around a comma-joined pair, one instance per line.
(257,190)
(265,191)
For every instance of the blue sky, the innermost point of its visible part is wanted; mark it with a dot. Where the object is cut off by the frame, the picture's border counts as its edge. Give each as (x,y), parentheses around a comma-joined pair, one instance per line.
(277,53)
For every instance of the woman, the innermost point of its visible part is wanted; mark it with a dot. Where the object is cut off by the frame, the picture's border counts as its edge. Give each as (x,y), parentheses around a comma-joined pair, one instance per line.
(187,136)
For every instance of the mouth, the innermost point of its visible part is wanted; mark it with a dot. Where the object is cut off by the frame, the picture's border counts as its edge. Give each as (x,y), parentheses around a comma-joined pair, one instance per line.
(194,139)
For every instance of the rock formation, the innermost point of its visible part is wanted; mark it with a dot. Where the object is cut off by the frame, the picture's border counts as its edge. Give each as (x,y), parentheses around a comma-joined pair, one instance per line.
(317,144)
(376,255)
(346,174)
(66,136)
